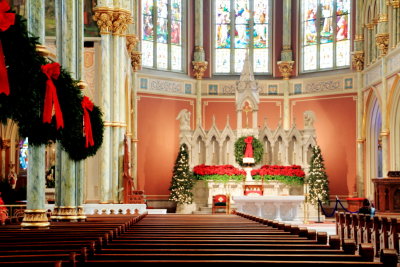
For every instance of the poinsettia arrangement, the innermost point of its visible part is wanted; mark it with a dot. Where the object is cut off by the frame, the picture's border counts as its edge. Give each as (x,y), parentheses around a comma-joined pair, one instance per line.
(286,174)
(218,172)
(292,174)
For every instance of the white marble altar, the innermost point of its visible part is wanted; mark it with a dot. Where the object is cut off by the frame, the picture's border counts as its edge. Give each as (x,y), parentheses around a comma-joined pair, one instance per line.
(282,208)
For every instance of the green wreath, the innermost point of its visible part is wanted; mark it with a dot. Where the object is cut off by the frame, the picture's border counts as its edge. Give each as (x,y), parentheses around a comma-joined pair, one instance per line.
(240,147)
(25,103)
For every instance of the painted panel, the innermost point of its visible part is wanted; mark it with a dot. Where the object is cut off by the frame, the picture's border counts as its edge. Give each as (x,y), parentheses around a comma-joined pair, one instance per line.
(158,145)
(335,126)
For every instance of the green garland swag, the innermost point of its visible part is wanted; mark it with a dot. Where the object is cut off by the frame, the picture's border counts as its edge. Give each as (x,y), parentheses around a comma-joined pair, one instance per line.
(25,103)
(240,147)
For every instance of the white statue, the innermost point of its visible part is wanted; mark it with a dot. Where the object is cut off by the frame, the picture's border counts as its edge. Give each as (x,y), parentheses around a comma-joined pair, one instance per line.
(309,118)
(184,119)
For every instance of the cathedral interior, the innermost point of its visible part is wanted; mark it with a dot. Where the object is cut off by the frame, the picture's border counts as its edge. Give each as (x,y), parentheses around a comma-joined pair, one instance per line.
(292,73)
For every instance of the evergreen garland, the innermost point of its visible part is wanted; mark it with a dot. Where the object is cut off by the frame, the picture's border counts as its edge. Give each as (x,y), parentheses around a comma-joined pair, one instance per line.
(317,179)
(240,147)
(25,103)
(182,179)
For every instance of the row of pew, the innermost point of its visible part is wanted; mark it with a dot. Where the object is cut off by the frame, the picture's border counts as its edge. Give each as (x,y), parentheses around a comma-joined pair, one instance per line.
(123,240)
(382,231)
(63,243)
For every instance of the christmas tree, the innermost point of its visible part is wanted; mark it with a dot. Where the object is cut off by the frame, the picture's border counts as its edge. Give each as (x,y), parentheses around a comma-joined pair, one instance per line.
(182,179)
(317,179)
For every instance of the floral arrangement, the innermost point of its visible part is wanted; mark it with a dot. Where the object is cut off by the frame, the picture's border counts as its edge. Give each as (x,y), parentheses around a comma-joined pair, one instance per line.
(292,174)
(218,172)
(286,174)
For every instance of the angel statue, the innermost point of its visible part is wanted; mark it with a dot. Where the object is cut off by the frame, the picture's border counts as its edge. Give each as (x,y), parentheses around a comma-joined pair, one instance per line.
(184,119)
(309,118)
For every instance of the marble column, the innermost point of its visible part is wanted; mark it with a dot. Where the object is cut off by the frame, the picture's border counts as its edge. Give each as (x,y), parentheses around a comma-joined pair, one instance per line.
(360,139)
(286,67)
(122,17)
(286,108)
(358,65)
(115,102)
(385,129)
(199,63)
(104,17)
(69,21)
(35,214)
(286,64)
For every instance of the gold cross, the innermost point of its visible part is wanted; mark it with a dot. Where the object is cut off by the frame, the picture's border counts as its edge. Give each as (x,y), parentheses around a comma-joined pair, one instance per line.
(247,109)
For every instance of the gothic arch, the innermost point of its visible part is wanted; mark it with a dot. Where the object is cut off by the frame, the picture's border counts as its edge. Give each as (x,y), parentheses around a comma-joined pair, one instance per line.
(373,129)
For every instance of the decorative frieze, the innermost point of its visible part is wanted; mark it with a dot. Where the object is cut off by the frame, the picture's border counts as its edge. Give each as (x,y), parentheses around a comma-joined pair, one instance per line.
(104,19)
(286,68)
(199,67)
(358,60)
(321,86)
(382,41)
(395,3)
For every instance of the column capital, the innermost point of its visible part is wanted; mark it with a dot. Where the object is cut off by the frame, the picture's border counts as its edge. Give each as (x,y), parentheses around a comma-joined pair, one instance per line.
(136,57)
(199,67)
(382,41)
(104,19)
(358,60)
(395,3)
(286,68)
(121,19)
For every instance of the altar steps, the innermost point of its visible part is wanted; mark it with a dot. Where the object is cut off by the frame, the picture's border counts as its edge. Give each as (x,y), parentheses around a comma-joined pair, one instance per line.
(203,210)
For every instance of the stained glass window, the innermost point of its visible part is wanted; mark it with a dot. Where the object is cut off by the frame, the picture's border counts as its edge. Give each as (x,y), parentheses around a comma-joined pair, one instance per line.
(325,34)
(240,27)
(162,28)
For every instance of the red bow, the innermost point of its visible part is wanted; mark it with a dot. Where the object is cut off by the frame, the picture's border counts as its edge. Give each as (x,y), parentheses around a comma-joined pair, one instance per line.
(52,71)
(6,20)
(87,106)
(249,148)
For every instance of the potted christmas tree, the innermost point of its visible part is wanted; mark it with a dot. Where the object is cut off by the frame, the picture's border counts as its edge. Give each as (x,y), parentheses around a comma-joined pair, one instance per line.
(317,180)
(182,183)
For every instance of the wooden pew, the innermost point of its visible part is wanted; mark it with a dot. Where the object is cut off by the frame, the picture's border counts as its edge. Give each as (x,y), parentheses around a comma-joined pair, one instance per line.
(393,238)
